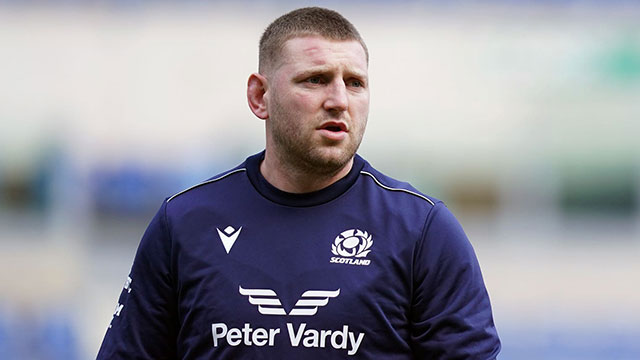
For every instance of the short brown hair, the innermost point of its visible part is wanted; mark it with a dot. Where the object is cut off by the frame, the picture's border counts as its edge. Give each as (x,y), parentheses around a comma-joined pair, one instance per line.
(323,22)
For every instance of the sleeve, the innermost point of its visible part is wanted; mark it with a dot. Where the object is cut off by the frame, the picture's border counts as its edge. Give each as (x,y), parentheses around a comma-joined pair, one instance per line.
(451,314)
(144,324)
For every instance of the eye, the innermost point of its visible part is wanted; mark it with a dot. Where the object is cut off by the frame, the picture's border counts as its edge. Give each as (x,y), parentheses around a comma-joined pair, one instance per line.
(315,80)
(355,83)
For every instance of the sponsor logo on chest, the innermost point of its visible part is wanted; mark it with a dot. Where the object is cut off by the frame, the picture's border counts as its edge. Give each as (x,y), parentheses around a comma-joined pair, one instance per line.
(342,339)
(269,304)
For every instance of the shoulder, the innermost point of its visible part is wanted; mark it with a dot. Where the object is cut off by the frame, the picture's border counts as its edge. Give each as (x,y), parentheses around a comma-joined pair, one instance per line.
(217,182)
(402,191)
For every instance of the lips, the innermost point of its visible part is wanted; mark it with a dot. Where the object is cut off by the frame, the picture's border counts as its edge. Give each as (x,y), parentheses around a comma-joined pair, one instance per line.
(334,126)
(333,131)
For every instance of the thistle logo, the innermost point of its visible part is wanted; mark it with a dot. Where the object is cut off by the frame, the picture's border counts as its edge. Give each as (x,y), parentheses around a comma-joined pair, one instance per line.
(351,246)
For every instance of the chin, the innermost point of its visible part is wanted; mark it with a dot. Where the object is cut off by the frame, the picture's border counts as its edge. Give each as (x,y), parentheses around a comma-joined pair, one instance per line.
(330,161)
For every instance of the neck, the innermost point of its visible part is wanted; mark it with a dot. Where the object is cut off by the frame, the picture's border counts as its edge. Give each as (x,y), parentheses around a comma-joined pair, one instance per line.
(294,180)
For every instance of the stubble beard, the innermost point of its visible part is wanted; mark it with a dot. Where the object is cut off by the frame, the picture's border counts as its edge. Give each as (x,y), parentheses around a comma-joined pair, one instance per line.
(299,153)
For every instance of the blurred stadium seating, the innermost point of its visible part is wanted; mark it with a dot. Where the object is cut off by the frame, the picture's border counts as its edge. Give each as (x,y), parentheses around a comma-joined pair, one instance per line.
(522,116)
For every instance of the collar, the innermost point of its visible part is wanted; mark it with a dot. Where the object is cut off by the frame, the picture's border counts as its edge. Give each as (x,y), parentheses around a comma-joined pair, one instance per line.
(300,200)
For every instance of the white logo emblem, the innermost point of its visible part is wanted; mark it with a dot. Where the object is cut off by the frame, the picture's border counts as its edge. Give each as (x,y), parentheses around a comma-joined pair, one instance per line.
(229,237)
(269,304)
(352,243)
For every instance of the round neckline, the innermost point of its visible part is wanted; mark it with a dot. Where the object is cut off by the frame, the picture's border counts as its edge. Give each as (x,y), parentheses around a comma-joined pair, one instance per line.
(305,199)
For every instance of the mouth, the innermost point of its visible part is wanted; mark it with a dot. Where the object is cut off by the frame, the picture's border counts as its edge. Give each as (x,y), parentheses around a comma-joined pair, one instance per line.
(334,126)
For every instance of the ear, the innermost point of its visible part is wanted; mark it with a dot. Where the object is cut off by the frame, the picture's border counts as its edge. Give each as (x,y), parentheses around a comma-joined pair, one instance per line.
(256,89)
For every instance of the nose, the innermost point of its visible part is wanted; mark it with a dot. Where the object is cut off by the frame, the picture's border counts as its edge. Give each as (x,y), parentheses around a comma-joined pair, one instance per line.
(337,99)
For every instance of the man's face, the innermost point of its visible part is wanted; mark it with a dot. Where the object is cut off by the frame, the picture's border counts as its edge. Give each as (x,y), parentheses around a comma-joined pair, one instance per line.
(318,102)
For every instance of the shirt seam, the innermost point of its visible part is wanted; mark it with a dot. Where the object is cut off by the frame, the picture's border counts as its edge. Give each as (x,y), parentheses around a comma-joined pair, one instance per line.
(206,182)
(386,187)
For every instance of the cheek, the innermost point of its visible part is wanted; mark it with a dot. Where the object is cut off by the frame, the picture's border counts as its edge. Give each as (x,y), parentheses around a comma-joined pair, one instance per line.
(360,107)
(298,106)
(303,101)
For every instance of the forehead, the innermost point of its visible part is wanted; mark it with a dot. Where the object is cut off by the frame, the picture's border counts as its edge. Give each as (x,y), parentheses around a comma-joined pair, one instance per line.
(306,51)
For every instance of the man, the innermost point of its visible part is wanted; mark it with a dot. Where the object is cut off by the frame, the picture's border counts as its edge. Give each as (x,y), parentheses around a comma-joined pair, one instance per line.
(304,250)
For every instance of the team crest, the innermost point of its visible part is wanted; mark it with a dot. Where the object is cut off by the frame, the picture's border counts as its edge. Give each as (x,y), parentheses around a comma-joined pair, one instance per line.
(351,247)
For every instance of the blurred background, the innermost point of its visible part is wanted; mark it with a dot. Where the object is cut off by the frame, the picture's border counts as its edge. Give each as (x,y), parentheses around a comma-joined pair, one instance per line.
(523,116)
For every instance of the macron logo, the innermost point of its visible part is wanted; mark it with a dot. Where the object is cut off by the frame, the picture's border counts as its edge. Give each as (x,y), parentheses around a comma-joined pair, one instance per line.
(228,236)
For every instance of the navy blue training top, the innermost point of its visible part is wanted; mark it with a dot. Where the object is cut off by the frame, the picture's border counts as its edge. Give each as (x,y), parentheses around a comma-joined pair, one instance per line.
(367,268)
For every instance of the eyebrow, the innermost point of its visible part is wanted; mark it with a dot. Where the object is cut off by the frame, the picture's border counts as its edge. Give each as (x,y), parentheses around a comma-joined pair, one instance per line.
(324,69)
